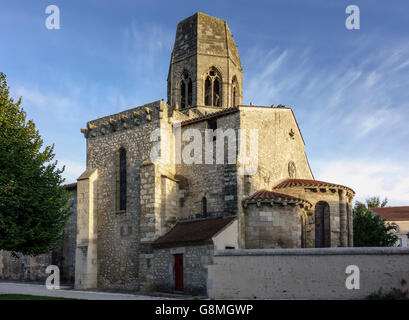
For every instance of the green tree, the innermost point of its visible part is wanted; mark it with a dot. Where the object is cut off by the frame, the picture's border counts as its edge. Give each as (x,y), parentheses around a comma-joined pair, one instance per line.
(33,206)
(370,230)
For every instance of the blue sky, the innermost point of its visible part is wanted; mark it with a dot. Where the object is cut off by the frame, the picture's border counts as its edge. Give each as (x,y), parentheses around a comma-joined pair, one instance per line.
(349,88)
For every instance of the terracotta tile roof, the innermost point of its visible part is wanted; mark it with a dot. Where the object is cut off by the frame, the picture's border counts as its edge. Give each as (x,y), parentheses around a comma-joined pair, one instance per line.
(71,186)
(210,115)
(393,213)
(308,183)
(190,233)
(268,196)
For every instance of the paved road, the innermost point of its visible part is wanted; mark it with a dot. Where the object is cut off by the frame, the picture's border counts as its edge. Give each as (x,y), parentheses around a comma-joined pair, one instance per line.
(66,292)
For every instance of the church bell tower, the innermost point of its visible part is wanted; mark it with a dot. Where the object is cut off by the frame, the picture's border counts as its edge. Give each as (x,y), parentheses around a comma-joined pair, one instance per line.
(205,68)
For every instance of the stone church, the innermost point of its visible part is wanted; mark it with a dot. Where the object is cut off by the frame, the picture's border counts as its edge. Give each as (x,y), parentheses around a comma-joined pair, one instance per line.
(146,219)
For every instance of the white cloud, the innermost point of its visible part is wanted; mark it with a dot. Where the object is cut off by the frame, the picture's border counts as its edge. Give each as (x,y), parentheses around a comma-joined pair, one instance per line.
(368,178)
(54,105)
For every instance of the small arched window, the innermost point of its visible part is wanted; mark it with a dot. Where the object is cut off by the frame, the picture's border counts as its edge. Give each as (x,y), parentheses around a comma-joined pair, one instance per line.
(185,91)
(213,86)
(122,179)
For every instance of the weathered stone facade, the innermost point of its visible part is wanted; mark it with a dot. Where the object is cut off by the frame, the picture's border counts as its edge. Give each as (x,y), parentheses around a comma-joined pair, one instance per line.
(168,179)
(201,162)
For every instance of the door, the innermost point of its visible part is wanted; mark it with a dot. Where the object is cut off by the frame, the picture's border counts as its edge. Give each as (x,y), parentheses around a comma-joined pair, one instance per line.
(178,272)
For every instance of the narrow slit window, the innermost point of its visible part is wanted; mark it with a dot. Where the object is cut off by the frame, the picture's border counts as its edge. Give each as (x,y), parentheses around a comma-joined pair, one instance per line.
(189,93)
(204,206)
(122,179)
(216,92)
(182,95)
(208,92)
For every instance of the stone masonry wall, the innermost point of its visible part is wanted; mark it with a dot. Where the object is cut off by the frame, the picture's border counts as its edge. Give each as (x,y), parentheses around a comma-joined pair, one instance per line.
(216,182)
(305,273)
(273,226)
(277,146)
(340,205)
(119,233)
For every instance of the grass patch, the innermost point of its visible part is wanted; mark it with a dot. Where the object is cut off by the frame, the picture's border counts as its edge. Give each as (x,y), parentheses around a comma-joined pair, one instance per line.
(394,294)
(29,297)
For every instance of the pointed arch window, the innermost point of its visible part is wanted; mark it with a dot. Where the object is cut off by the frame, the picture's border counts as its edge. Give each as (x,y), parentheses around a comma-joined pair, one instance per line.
(213,86)
(186,89)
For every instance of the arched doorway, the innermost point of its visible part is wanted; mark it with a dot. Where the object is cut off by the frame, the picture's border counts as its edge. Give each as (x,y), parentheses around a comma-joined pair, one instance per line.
(322,226)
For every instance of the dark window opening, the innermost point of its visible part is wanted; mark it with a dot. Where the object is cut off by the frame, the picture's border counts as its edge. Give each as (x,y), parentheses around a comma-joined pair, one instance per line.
(212,125)
(189,93)
(208,93)
(122,179)
(235,92)
(322,225)
(229,247)
(212,89)
(216,93)
(204,206)
(182,95)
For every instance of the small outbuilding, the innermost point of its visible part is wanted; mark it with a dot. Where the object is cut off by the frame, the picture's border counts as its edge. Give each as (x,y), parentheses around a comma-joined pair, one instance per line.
(181,256)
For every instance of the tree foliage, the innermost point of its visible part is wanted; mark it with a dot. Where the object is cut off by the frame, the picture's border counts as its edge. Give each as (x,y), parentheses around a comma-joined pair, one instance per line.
(33,206)
(370,230)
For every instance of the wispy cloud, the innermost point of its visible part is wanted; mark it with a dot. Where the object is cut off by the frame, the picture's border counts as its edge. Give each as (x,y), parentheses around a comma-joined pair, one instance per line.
(353,112)
(344,93)
(57,106)
(368,177)
(146,44)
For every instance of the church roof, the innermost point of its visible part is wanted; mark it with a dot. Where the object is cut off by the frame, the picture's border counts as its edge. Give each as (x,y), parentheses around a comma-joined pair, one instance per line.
(204,34)
(393,213)
(308,183)
(195,232)
(264,195)
(210,115)
(70,186)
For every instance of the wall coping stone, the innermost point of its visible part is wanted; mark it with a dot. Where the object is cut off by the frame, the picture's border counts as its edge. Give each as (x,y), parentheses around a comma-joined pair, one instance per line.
(314,251)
